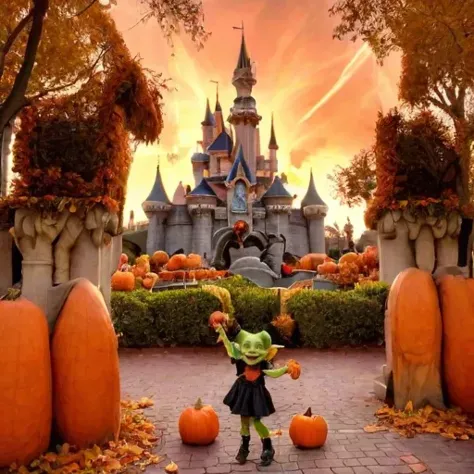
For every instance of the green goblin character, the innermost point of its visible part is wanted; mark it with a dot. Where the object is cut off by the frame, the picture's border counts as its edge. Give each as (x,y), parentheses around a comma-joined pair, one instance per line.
(248,397)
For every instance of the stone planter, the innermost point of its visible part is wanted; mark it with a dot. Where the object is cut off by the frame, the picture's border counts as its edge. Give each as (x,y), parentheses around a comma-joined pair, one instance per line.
(61,247)
(406,241)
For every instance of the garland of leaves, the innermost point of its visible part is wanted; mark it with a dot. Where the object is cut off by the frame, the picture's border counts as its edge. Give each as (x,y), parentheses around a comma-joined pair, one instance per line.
(416,168)
(73,151)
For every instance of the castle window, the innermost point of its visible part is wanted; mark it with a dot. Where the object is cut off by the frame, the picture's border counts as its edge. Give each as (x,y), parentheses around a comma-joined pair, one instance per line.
(239,200)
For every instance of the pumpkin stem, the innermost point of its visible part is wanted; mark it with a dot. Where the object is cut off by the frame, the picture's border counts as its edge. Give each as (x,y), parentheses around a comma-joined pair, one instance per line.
(198,405)
(308,412)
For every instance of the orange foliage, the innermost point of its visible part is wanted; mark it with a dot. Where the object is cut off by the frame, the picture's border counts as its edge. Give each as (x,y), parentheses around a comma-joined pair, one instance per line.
(137,439)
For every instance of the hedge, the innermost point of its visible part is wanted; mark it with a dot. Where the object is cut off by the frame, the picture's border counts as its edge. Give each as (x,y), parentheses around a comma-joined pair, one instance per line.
(325,318)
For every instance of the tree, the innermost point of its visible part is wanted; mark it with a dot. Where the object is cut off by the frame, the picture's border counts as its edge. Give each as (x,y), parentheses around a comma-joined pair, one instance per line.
(47,46)
(436,40)
(353,185)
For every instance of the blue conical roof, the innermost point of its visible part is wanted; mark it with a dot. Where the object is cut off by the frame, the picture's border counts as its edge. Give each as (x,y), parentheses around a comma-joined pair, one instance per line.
(158,193)
(203,189)
(312,197)
(277,189)
(222,143)
(209,117)
(240,160)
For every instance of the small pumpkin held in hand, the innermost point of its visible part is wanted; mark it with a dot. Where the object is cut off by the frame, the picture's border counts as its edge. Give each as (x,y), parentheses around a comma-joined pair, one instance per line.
(198,425)
(218,318)
(308,431)
(294,369)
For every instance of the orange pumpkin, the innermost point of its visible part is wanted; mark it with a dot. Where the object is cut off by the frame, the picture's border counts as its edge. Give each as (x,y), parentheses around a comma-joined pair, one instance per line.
(201,274)
(212,274)
(149,281)
(25,383)
(311,261)
(140,270)
(123,281)
(350,257)
(308,431)
(85,367)
(218,318)
(159,258)
(294,369)
(456,294)
(176,262)
(198,425)
(413,339)
(327,268)
(193,261)
(179,275)
(166,276)
(171,468)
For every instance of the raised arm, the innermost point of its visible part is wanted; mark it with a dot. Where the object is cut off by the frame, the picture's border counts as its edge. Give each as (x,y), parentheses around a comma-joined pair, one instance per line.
(275,373)
(231,347)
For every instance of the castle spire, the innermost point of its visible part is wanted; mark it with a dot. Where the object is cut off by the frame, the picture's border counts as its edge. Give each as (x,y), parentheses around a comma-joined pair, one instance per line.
(218,104)
(244,58)
(158,193)
(312,198)
(208,118)
(273,145)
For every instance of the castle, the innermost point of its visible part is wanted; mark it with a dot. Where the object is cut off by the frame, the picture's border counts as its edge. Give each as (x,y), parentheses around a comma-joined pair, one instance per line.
(233,181)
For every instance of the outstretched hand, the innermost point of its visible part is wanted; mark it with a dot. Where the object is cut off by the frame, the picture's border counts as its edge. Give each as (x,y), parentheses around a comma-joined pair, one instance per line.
(218,320)
(294,369)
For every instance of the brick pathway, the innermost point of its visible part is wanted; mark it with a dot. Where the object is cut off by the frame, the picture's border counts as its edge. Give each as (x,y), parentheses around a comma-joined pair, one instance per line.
(337,385)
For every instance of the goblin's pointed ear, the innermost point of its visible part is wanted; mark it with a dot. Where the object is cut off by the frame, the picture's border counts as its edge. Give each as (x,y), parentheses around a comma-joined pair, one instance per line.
(272,351)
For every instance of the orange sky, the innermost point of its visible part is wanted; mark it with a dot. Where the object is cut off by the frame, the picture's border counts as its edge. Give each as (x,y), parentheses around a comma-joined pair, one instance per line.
(325,94)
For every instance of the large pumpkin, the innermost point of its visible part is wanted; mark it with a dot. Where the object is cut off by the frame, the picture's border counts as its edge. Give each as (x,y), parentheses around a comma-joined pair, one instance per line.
(413,339)
(308,431)
(311,261)
(193,261)
(198,425)
(123,281)
(349,257)
(85,366)
(327,268)
(159,258)
(457,302)
(25,382)
(176,262)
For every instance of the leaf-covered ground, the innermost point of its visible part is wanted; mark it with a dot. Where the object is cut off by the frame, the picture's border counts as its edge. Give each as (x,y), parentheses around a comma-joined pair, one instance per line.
(137,438)
(451,424)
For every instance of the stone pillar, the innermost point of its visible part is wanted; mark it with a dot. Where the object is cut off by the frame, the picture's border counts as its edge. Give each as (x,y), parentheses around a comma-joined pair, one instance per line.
(202,230)
(259,215)
(6,275)
(315,215)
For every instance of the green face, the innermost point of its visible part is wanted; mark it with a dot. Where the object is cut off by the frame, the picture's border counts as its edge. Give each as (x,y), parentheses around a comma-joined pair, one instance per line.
(253,347)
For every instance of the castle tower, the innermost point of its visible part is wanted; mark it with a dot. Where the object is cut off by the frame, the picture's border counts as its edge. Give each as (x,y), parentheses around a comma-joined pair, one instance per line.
(273,147)
(277,201)
(179,225)
(208,125)
(315,210)
(157,207)
(240,184)
(200,163)
(243,115)
(218,116)
(201,203)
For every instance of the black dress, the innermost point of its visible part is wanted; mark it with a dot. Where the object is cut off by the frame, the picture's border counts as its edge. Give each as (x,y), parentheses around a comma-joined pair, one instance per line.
(249,396)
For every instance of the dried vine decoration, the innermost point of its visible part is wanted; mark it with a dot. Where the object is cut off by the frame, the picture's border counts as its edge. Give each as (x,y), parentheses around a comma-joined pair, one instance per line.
(417,167)
(73,151)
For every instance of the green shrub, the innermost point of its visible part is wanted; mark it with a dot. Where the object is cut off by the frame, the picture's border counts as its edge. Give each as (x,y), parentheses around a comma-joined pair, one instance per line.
(334,318)
(147,319)
(133,319)
(255,307)
(375,290)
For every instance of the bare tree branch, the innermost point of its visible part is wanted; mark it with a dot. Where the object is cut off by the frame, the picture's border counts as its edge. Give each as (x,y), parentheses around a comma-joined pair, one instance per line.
(11,39)
(79,13)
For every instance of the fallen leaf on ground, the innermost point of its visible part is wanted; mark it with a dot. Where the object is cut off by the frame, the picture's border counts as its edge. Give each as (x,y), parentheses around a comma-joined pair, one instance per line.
(137,437)
(450,424)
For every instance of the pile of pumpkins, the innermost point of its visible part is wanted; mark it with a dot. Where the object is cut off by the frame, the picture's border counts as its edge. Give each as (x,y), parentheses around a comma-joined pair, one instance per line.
(199,426)
(147,271)
(68,379)
(352,268)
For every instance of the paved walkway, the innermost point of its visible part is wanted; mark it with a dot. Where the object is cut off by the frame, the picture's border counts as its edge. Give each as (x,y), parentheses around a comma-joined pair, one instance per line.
(337,385)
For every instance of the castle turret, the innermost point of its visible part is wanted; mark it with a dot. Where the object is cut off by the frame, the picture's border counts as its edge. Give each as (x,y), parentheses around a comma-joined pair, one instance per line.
(219,117)
(208,125)
(273,147)
(179,225)
(277,201)
(200,162)
(201,203)
(220,151)
(243,114)
(315,210)
(157,207)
